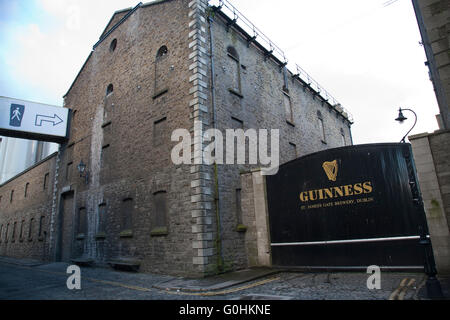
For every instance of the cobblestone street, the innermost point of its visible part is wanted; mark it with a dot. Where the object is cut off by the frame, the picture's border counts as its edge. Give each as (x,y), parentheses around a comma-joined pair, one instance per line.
(48,282)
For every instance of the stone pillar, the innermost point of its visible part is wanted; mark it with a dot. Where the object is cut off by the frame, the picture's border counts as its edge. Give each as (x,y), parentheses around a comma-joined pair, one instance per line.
(432,158)
(255,217)
(202,176)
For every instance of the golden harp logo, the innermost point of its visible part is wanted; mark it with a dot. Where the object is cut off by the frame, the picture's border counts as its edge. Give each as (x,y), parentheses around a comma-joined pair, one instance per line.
(331,169)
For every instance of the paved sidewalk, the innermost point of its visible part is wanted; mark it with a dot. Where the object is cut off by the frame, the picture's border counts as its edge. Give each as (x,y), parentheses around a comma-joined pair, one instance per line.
(33,280)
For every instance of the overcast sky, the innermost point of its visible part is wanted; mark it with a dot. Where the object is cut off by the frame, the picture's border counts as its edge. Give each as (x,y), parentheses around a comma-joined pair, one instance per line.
(367,54)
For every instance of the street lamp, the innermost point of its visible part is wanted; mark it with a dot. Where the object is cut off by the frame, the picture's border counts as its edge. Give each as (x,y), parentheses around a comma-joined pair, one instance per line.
(433,285)
(83,172)
(401,118)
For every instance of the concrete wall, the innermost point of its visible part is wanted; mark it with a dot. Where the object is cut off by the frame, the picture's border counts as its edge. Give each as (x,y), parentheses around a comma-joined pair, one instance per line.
(432,157)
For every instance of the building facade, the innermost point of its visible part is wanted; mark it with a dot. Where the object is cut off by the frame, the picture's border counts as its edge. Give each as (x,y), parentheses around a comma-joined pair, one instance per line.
(433,20)
(431,150)
(157,68)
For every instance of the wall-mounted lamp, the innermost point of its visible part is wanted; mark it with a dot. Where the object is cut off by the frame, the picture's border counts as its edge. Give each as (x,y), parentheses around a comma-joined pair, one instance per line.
(83,172)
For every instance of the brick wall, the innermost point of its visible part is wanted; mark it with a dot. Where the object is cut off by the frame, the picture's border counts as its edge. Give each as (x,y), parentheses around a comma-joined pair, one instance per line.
(124,138)
(260,104)
(30,211)
(127,100)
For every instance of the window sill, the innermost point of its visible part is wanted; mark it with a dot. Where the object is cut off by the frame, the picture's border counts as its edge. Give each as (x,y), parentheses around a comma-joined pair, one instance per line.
(324,142)
(106,124)
(236,93)
(80,236)
(160,93)
(41,239)
(126,234)
(100,236)
(290,123)
(158,232)
(241,228)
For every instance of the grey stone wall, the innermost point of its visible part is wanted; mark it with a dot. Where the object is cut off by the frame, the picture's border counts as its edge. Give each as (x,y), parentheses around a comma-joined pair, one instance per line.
(260,105)
(432,154)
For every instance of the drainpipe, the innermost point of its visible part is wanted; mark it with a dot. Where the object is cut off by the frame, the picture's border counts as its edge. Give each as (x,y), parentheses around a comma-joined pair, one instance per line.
(220,262)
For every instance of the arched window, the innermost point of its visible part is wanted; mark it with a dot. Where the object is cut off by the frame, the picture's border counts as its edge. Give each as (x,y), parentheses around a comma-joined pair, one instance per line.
(162,52)
(113,45)
(321,126)
(162,71)
(109,90)
(344,142)
(235,70)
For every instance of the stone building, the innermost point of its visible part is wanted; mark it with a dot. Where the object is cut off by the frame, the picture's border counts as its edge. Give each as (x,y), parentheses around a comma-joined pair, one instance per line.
(434,24)
(159,67)
(432,151)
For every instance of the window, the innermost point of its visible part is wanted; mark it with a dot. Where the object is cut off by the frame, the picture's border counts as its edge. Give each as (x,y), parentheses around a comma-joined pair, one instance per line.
(11,196)
(101,218)
(14,232)
(109,89)
(162,72)
(113,45)
(21,229)
(1,233)
(7,231)
(285,80)
(288,108)
(321,127)
(235,71)
(30,230)
(159,129)
(82,222)
(159,217)
(104,155)
(69,170)
(46,181)
(293,151)
(344,142)
(162,52)
(26,190)
(41,225)
(127,214)
(239,206)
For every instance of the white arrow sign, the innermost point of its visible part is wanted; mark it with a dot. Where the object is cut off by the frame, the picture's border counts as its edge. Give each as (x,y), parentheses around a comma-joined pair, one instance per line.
(31,120)
(55,120)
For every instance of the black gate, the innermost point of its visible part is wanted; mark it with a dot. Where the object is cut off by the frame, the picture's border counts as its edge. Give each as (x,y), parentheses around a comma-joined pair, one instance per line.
(347,207)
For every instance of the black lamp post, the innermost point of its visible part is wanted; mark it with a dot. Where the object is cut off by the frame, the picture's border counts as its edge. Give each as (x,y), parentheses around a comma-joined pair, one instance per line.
(83,172)
(433,285)
(401,118)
